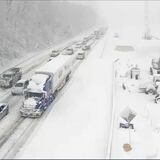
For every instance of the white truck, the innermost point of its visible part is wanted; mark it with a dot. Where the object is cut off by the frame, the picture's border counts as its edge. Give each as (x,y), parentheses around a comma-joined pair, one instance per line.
(44,85)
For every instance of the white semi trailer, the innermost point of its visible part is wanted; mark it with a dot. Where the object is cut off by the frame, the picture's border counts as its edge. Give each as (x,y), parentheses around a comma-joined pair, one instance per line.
(44,85)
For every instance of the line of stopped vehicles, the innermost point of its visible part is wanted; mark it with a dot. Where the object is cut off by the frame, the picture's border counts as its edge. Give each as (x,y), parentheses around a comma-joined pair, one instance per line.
(40,90)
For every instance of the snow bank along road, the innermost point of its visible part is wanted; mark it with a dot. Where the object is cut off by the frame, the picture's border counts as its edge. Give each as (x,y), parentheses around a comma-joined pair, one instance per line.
(78,124)
(12,128)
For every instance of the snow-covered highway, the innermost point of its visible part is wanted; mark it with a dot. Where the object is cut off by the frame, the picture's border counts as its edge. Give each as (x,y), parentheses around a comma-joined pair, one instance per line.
(78,124)
(13,126)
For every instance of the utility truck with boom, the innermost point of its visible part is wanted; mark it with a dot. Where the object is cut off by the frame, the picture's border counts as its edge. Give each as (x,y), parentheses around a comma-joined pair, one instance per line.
(44,85)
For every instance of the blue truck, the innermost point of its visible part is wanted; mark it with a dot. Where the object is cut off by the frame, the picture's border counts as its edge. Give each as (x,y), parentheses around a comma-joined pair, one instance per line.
(44,85)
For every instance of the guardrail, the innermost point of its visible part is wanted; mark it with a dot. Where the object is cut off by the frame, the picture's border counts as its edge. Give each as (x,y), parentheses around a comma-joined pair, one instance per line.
(109,147)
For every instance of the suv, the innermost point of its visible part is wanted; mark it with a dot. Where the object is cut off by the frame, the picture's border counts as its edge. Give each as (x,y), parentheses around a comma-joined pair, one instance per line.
(86,47)
(54,53)
(4,109)
(81,55)
(20,87)
(69,51)
(10,77)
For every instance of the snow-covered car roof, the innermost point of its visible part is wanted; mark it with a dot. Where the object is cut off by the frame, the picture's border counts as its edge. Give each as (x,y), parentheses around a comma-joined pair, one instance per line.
(22,81)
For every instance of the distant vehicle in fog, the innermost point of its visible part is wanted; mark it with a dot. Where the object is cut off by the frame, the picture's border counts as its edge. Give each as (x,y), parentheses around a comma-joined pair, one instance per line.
(86,47)
(78,45)
(19,87)
(116,35)
(4,110)
(80,54)
(55,53)
(10,77)
(68,51)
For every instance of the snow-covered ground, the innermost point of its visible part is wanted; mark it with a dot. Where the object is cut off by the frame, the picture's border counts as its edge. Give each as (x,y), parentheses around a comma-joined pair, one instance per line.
(78,124)
(33,60)
(144,139)
(14,102)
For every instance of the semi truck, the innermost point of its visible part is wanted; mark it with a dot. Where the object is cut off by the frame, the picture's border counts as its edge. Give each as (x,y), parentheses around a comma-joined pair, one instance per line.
(45,84)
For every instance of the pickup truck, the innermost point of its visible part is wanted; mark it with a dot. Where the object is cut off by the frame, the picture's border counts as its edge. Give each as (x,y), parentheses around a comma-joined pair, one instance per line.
(9,77)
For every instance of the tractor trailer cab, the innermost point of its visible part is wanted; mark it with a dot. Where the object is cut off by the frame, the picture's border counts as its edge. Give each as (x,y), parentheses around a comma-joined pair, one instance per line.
(44,85)
(37,96)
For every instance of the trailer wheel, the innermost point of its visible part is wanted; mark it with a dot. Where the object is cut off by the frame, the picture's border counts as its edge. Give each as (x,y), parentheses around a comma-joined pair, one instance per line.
(67,78)
(131,75)
(55,94)
(151,71)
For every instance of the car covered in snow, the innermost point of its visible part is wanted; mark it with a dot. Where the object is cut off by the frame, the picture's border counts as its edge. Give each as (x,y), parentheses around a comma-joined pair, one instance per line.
(78,45)
(80,54)
(147,87)
(4,110)
(54,53)
(155,66)
(68,51)
(86,47)
(10,77)
(156,79)
(19,87)
(116,35)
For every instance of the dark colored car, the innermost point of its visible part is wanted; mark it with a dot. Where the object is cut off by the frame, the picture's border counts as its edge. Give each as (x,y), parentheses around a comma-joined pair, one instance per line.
(4,110)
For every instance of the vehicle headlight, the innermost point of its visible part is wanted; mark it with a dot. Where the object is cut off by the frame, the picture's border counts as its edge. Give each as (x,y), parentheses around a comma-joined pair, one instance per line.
(37,110)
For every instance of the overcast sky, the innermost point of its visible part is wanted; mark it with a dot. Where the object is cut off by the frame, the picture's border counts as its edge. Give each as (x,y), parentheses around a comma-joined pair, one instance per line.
(128,15)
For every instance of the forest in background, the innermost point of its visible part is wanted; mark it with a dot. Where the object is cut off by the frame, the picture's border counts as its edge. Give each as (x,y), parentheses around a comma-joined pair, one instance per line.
(27,26)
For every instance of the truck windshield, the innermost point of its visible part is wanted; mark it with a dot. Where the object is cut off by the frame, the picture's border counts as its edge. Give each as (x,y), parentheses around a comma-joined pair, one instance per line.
(19,85)
(33,94)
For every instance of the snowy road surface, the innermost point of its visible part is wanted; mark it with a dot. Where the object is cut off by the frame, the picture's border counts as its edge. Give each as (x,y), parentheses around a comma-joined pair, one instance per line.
(78,124)
(12,120)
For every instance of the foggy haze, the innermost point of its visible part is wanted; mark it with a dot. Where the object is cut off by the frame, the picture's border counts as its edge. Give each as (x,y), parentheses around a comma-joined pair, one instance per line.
(129,16)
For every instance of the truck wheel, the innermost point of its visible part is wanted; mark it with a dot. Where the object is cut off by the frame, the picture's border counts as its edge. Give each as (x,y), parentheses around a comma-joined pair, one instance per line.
(155,100)
(55,94)
(151,71)
(51,98)
(7,111)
